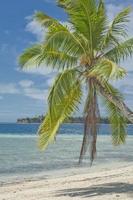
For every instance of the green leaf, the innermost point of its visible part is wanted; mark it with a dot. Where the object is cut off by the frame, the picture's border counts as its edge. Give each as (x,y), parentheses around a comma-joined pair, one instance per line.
(40,54)
(118,124)
(66,4)
(45,20)
(61,38)
(118,121)
(88,18)
(121,51)
(63,99)
(117,29)
(107,70)
(30,56)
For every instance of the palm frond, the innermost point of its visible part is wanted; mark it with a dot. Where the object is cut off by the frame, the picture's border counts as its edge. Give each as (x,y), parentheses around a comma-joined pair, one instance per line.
(88,18)
(66,4)
(58,59)
(31,56)
(117,30)
(114,96)
(60,37)
(61,87)
(121,51)
(45,20)
(118,120)
(42,55)
(107,70)
(63,99)
(109,89)
(118,124)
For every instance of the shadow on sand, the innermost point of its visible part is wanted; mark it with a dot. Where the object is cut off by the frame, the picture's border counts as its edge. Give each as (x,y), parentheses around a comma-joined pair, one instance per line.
(98,190)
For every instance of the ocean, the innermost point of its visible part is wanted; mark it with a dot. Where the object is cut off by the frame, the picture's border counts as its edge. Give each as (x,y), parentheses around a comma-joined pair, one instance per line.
(20,158)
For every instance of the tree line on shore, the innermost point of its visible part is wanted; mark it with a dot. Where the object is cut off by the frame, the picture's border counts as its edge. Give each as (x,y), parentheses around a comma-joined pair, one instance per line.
(39,119)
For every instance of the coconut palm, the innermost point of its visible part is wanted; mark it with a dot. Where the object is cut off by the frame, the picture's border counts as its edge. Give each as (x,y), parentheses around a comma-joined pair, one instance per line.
(87,52)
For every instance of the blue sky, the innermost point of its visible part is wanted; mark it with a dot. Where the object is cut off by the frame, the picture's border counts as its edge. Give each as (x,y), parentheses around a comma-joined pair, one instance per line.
(24,94)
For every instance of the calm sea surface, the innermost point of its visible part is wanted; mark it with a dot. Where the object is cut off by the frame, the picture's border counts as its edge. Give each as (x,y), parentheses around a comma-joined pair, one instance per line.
(21,159)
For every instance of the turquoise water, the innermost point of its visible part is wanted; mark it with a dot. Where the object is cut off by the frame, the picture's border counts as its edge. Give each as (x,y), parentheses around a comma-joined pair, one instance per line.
(31,129)
(21,159)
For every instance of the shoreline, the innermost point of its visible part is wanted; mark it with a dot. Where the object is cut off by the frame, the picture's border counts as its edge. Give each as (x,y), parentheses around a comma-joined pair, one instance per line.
(109,183)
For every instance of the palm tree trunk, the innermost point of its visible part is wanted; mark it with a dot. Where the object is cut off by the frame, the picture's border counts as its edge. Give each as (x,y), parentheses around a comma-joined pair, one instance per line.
(117,102)
(90,124)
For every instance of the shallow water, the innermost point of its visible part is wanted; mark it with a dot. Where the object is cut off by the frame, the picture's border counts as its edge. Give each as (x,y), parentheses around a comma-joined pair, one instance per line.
(21,159)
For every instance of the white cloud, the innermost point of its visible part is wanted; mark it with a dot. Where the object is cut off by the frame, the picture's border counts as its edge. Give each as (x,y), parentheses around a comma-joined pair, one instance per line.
(28,89)
(41,70)
(8,88)
(25,88)
(49,1)
(26,83)
(50,81)
(36,93)
(35,28)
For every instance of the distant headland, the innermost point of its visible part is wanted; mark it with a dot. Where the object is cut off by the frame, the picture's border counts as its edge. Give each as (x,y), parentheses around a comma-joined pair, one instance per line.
(39,119)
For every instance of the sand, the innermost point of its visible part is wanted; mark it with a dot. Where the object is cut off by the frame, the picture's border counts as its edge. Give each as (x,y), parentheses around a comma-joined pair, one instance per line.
(106,184)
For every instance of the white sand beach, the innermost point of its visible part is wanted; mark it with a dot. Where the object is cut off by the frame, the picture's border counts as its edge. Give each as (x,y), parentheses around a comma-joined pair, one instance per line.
(108,184)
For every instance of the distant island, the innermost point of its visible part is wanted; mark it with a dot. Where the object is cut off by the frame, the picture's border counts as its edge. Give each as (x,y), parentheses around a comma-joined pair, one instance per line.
(39,119)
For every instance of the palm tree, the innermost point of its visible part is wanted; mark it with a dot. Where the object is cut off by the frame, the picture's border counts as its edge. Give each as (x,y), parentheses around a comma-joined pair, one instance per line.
(87,51)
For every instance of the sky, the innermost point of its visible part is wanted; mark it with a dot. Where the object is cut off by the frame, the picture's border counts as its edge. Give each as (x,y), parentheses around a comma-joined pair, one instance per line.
(24,93)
